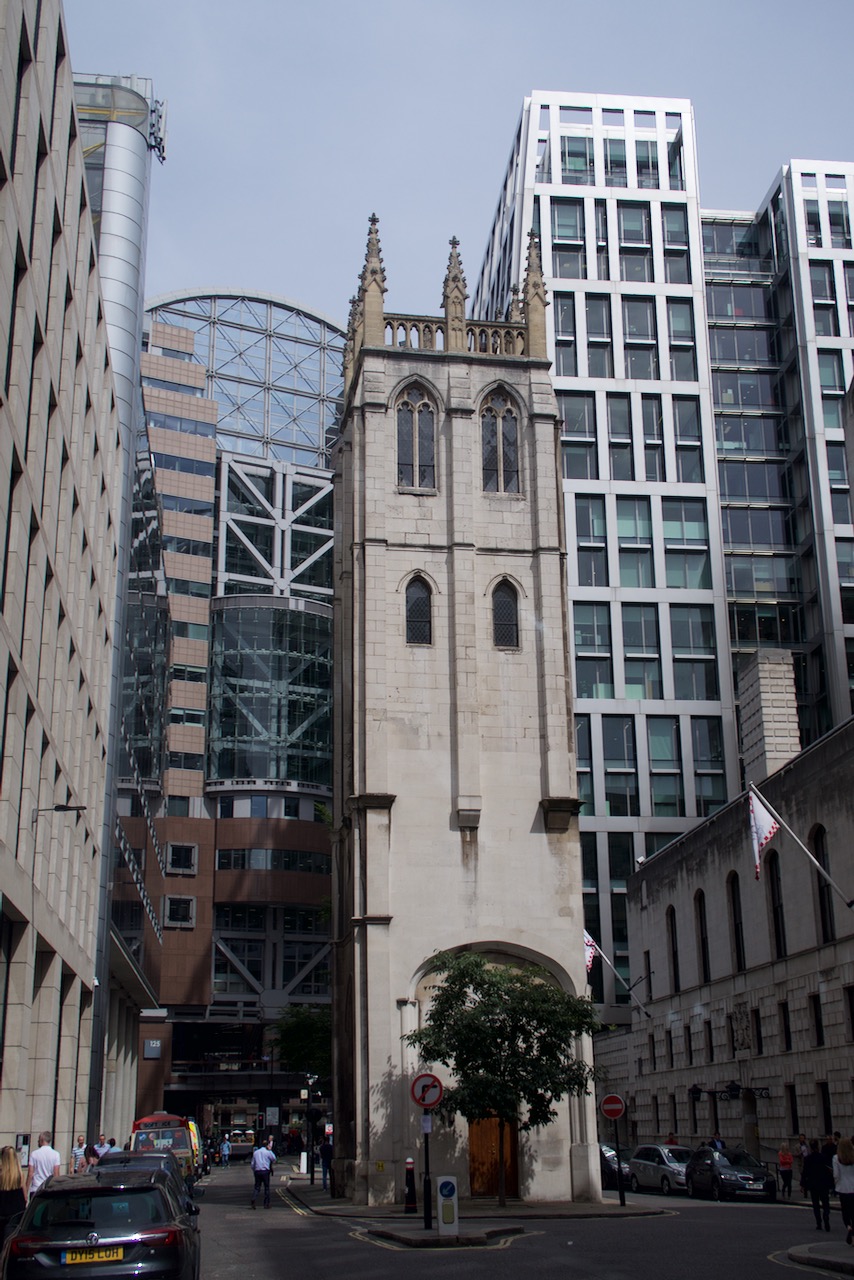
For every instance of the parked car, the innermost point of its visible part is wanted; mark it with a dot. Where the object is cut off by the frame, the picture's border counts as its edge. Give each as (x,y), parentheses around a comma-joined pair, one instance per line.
(657,1167)
(166,1160)
(608,1166)
(733,1172)
(112,1223)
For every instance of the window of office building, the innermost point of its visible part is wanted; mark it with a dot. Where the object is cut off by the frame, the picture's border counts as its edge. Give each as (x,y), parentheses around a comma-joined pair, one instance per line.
(680,326)
(642,660)
(634,226)
(499,435)
(813,223)
(736,922)
(600,356)
(674,226)
(673,951)
(640,337)
(566,354)
(701,929)
(620,759)
(653,437)
(647,162)
(692,630)
(824,299)
(616,172)
(620,438)
(415,440)
(848,271)
(840,224)
(634,536)
(775,899)
(568,253)
(584,765)
(181,859)
(180,913)
(689,445)
(578,435)
(686,538)
(603,270)
(708,752)
(594,676)
(665,764)
(824,892)
(591,540)
(576,156)
(675,164)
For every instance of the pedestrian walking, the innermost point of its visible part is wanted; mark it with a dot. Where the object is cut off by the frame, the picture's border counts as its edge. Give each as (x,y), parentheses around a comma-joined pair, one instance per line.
(843,1178)
(44,1163)
(325,1153)
(785,1162)
(803,1151)
(263,1159)
(102,1146)
(77,1163)
(224,1152)
(12,1199)
(817,1179)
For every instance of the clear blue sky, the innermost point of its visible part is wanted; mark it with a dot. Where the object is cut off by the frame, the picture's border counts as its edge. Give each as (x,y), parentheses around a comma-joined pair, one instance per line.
(290,122)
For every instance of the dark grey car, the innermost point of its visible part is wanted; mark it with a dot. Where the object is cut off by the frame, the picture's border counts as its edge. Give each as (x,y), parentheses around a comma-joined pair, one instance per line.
(733,1172)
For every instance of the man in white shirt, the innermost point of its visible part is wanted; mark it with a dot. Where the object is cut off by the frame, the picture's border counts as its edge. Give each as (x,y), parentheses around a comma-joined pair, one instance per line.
(263,1160)
(44,1163)
(102,1146)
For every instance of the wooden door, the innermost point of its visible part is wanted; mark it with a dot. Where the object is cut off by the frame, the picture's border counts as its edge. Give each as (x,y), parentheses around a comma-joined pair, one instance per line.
(483,1158)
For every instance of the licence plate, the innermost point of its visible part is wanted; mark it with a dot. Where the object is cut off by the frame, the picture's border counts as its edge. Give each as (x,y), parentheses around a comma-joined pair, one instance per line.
(111,1253)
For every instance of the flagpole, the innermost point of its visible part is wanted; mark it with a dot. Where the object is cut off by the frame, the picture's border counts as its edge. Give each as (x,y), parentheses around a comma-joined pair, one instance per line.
(849,902)
(620,977)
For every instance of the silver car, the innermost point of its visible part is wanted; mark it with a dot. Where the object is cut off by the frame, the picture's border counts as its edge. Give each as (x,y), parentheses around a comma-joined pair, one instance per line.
(657,1167)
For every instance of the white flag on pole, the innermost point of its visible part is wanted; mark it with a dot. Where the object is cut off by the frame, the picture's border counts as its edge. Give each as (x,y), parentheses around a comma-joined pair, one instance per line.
(590,950)
(763,827)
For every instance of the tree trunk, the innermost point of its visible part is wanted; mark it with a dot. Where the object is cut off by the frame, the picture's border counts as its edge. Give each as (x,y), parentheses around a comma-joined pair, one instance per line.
(502,1181)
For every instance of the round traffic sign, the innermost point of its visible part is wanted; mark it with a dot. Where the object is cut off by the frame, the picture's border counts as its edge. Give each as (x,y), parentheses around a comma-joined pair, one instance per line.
(427,1090)
(612,1106)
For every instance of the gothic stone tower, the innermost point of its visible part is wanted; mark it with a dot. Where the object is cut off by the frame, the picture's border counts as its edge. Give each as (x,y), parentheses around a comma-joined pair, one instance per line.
(455,822)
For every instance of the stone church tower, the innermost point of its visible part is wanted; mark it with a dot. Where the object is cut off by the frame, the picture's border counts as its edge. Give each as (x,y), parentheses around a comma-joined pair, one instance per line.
(455,817)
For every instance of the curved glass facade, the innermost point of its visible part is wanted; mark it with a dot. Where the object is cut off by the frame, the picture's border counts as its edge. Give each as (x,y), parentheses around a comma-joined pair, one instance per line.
(274,369)
(270,695)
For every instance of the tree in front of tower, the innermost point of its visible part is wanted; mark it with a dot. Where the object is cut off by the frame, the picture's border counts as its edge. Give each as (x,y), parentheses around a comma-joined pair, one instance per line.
(510,1037)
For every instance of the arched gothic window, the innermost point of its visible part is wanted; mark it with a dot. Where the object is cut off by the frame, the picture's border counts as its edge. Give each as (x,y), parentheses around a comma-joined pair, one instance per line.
(419,623)
(702,930)
(505,617)
(775,890)
(673,949)
(500,444)
(826,919)
(736,920)
(416,440)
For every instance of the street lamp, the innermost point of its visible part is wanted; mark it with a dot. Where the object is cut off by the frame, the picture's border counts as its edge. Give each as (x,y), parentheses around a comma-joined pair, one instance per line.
(57,808)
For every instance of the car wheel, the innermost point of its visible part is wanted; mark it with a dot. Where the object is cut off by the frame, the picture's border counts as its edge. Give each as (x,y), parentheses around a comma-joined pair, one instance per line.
(689,1187)
(634,1184)
(665,1187)
(717,1191)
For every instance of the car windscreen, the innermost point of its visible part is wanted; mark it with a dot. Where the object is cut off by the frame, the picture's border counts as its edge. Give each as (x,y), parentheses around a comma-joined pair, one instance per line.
(107,1211)
(741,1160)
(678,1155)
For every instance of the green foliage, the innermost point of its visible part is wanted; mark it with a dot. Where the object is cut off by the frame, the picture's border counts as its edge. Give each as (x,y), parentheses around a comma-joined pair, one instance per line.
(510,1038)
(304,1039)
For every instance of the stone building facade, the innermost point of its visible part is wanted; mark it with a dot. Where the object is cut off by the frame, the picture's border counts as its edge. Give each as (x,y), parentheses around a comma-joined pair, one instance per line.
(749,983)
(455,824)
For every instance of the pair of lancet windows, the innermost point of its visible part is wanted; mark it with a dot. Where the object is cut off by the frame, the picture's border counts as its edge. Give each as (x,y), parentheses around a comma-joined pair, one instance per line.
(416,442)
(419,614)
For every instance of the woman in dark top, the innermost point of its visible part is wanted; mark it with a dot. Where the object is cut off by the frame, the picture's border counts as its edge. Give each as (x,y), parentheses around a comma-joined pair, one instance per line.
(817,1179)
(12,1199)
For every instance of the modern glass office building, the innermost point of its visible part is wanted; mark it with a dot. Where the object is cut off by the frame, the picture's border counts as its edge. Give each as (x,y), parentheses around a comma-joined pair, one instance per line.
(241,394)
(699,361)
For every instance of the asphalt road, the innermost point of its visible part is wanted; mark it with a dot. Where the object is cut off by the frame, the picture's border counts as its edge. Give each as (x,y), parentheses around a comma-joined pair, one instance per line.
(703,1241)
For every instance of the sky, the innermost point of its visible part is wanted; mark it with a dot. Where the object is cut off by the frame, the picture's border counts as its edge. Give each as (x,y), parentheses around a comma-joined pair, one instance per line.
(289,122)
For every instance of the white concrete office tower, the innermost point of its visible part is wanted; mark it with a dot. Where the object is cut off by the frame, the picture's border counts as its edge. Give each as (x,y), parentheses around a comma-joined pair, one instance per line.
(455,822)
(610,184)
(61,495)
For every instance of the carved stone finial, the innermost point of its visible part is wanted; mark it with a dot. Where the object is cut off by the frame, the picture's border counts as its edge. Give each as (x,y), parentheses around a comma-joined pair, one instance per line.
(372,286)
(454,297)
(535,300)
(515,305)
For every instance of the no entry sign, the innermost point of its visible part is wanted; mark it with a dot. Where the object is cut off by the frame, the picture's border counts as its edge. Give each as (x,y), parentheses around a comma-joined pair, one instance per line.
(612,1106)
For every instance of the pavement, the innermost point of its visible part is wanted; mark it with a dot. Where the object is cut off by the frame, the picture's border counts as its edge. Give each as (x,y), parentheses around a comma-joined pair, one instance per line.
(483,1221)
